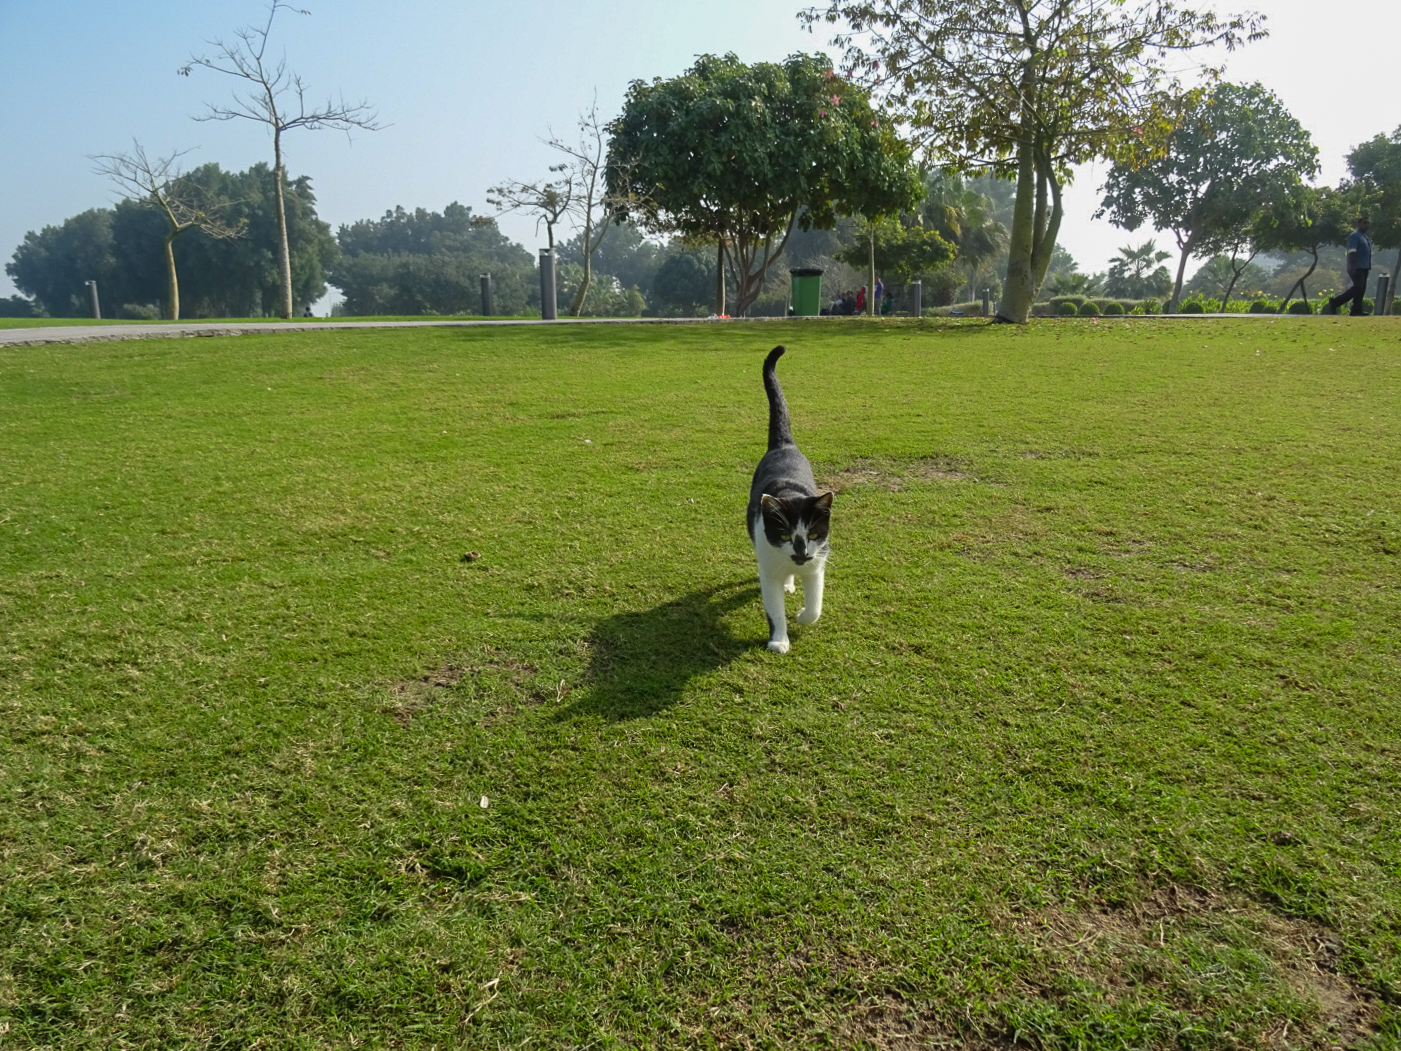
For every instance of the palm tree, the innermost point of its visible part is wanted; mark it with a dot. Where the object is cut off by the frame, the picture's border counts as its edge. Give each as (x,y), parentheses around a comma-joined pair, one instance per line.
(1137,273)
(967,219)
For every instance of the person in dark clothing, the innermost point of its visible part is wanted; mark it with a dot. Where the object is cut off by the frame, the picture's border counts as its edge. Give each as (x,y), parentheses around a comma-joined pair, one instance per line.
(1359,265)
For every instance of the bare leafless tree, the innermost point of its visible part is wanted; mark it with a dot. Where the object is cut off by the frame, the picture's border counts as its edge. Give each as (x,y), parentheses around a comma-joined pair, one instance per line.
(587,162)
(550,200)
(580,192)
(274,96)
(159,184)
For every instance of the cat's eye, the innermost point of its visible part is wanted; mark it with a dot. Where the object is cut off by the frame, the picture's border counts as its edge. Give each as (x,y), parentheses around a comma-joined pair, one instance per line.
(785,537)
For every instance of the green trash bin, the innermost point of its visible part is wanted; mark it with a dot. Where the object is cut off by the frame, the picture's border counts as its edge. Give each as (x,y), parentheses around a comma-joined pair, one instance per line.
(807,291)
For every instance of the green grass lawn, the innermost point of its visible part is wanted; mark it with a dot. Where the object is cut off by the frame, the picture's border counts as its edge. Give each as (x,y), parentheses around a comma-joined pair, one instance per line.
(1097,744)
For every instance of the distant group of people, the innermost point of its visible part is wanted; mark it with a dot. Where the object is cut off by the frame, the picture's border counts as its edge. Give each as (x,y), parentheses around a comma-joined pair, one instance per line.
(851,303)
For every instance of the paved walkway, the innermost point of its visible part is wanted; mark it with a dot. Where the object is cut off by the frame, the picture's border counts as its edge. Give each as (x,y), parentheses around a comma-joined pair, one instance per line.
(39,336)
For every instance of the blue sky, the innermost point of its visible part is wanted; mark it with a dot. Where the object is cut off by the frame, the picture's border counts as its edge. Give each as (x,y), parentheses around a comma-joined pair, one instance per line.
(468,89)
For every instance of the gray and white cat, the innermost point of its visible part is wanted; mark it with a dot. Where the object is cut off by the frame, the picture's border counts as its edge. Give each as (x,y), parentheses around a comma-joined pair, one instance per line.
(788,519)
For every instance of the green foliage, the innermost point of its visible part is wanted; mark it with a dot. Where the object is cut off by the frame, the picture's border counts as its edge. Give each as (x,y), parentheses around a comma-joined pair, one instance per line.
(1039,87)
(1137,272)
(905,250)
(685,282)
(1264,306)
(1089,309)
(742,153)
(1192,306)
(423,262)
(1376,168)
(122,249)
(1113,307)
(1067,309)
(1301,306)
(1234,152)
(1152,306)
(19,307)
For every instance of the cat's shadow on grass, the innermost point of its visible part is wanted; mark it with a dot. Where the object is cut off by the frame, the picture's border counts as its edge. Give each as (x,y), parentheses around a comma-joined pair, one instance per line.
(641,662)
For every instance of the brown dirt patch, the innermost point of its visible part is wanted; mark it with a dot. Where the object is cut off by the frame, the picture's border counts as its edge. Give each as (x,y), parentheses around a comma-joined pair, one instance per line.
(1097,943)
(896,475)
(412,696)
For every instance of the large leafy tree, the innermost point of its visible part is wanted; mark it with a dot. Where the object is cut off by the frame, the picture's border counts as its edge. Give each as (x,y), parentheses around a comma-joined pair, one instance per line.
(1028,88)
(424,262)
(740,155)
(1376,166)
(121,249)
(1305,220)
(1236,150)
(267,92)
(53,264)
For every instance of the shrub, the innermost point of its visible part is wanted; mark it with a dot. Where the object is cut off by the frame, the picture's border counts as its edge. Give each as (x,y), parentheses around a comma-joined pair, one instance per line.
(1067,309)
(1138,311)
(1089,310)
(1300,306)
(1264,306)
(1057,302)
(1152,306)
(1192,306)
(1369,305)
(1113,307)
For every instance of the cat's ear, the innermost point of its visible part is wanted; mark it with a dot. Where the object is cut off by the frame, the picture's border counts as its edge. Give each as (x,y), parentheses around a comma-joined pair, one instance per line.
(771,506)
(824,502)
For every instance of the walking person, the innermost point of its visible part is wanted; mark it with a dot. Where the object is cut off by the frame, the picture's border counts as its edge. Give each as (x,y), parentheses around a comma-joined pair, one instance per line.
(1359,265)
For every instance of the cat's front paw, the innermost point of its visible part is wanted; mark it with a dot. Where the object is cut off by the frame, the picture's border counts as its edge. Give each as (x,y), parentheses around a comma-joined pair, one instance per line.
(790,585)
(804,617)
(778,645)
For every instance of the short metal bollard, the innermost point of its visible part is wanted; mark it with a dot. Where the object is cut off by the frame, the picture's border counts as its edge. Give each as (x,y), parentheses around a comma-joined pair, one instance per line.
(916,298)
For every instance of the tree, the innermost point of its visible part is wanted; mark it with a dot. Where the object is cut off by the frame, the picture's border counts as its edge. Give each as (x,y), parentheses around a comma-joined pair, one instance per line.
(1376,165)
(903,249)
(685,281)
(53,265)
(587,160)
(1304,220)
(968,218)
(121,249)
(277,98)
(740,156)
(1219,276)
(424,262)
(548,199)
(1234,152)
(159,184)
(1138,273)
(1027,88)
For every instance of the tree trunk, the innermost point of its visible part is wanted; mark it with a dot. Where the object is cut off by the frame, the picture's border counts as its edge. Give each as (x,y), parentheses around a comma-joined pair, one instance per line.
(577,307)
(1035,224)
(1181,270)
(871,309)
(284,255)
(1385,308)
(720,280)
(172,285)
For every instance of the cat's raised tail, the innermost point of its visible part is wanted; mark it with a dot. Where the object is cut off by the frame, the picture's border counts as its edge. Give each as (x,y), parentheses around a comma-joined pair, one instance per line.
(780,429)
